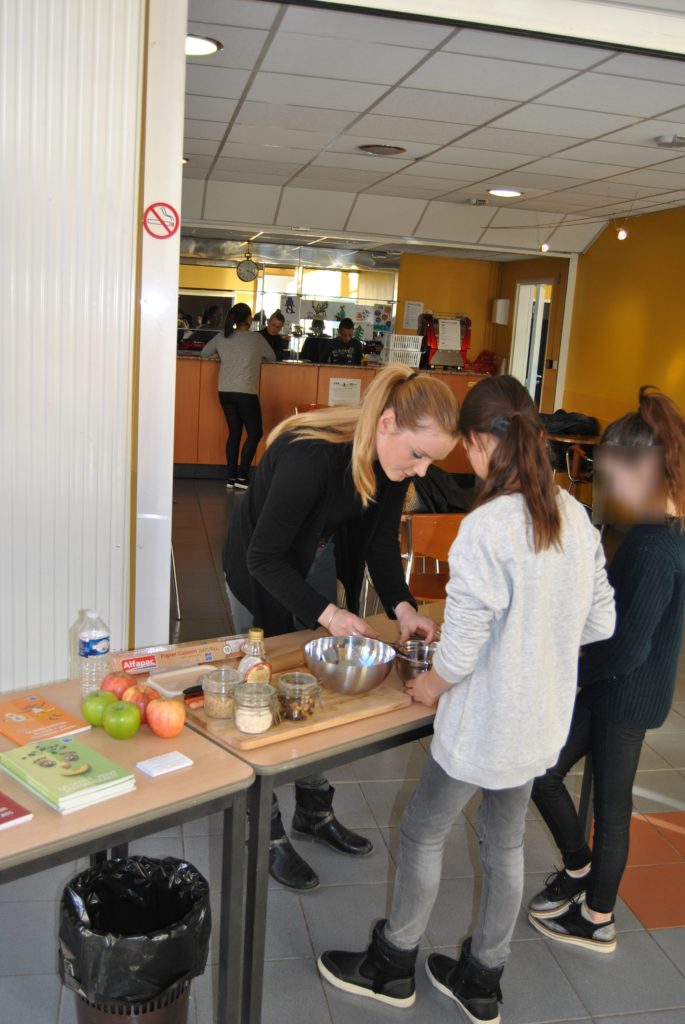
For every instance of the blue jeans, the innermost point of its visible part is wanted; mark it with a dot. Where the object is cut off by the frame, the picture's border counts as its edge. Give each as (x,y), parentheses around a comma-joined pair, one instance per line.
(434,808)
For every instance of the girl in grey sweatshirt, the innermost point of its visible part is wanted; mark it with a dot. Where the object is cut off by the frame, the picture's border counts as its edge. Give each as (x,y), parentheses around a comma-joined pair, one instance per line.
(527,588)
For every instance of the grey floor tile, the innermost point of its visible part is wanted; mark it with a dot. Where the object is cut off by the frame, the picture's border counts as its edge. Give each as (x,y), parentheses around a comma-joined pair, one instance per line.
(210,825)
(204,852)
(343,773)
(672,941)
(653,1017)
(342,916)
(338,869)
(650,760)
(44,885)
(388,800)
(28,938)
(400,763)
(30,999)
(540,851)
(670,746)
(293,994)
(286,931)
(455,911)
(659,791)
(641,976)
(461,852)
(153,846)
(674,723)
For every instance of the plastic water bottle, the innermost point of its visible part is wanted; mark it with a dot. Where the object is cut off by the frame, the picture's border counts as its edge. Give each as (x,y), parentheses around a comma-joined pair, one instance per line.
(93,653)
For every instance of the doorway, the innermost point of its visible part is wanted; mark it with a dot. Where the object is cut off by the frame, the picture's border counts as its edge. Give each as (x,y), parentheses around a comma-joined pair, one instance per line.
(529,335)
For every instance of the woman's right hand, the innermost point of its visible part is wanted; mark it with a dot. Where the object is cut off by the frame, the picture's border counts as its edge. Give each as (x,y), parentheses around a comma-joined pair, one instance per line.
(340,622)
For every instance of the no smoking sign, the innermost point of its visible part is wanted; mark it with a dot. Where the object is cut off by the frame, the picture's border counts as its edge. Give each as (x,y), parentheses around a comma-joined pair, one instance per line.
(161,220)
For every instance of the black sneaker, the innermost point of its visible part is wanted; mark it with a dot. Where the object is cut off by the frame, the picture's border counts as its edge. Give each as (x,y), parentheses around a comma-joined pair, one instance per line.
(382,972)
(230,484)
(475,989)
(572,927)
(241,485)
(560,889)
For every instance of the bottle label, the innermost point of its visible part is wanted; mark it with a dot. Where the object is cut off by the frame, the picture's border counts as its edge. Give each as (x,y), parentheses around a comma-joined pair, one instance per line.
(90,647)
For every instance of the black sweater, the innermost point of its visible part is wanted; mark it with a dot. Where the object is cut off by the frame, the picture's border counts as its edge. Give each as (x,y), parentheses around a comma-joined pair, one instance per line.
(636,669)
(302,493)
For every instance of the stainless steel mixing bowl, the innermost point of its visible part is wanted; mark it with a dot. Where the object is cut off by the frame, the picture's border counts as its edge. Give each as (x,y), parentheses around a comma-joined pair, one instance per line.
(413,658)
(349,664)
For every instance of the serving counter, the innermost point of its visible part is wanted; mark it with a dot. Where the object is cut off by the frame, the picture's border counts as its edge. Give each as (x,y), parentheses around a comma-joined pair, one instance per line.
(200,427)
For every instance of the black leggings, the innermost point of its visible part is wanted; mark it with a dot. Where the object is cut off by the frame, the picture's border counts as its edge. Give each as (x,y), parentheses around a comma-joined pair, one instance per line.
(615,752)
(241,411)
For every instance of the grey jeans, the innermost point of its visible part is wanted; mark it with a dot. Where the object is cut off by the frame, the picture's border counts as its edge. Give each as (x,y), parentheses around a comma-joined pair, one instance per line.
(435,806)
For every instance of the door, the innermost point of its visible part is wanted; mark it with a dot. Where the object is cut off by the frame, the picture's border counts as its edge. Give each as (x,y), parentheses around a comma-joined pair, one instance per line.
(529,335)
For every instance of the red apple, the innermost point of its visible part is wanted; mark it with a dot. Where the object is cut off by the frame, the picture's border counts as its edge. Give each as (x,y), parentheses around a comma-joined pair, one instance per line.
(140,694)
(117,683)
(166,717)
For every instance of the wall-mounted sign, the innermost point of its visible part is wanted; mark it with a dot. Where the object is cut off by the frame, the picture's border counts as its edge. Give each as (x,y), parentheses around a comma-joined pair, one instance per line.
(412,312)
(344,391)
(161,220)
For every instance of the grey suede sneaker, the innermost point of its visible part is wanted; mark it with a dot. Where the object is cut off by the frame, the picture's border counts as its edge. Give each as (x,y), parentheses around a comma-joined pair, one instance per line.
(571,927)
(560,889)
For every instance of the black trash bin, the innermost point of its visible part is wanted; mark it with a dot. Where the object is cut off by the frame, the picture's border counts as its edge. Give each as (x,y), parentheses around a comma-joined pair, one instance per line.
(133,934)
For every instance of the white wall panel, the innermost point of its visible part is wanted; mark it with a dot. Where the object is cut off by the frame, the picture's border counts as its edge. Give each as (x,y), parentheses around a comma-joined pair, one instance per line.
(70,87)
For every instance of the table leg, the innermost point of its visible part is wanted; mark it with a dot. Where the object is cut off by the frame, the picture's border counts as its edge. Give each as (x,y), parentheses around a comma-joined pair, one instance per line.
(231,923)
(585,802)
(259,813)
(98,858)
(119,852)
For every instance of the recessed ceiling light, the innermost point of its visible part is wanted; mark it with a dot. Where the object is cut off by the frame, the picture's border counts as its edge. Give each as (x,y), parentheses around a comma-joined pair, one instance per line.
(201,46)
(544,247)
(381,149)
(505,193)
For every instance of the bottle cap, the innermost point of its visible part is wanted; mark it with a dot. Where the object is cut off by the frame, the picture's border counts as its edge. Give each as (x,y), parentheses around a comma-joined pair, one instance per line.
(255,635)
(90,614)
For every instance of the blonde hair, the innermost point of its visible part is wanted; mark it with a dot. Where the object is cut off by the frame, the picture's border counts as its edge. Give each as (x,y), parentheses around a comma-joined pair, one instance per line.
(415,400)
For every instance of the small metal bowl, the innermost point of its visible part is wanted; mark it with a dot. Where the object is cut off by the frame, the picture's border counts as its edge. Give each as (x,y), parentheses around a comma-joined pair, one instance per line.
(349,664)
(413,658)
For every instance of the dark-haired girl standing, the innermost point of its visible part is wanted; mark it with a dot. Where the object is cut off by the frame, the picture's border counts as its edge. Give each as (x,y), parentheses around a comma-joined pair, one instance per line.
(527,587)
(627,682)
(242,353)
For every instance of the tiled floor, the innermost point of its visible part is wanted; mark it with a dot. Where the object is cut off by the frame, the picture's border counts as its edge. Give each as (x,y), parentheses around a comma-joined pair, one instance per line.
(642,983)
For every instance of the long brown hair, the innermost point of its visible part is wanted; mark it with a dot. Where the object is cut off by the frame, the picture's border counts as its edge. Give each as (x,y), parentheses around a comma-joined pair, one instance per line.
(237,315)
(520,463)
(656,422)
(416,399)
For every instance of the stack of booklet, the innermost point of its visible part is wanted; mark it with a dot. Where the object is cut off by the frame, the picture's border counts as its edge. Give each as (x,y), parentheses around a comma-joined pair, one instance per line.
(66,773)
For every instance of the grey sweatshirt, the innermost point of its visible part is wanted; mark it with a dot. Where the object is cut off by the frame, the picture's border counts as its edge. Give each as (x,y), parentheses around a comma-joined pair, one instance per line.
(514,623)
(241,358)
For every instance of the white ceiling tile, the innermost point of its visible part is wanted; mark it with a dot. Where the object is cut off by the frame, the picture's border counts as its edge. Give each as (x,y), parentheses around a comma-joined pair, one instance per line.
(287,137)
(385,213)
(363,27)
(530,179)
(435,169)
(602,151)
(235,201)
(442,106)
(453,222)
(676,166)
(323,57)
(227,82)
(355,178)
(524,48)
(255,177)
(199,161)
(199,147)
(306,206)
(470,157)
(581,124)
(654,177)
(573,168)
(480,76)
(242,46)
(372,164)
(520,227)
(204,129)
(249,167)
(675,115)
(195,174)
(617,189)
(392,187)
(438,185)
(645,133)
(272,154)
(556,203)
(192,195)
(635,65)
(209,108)
(407,129)
(326,92)
(469,172)
(234,12)
(508,218)
(323,184)
(576,238)
(505,140)
(614,94)
(296,118)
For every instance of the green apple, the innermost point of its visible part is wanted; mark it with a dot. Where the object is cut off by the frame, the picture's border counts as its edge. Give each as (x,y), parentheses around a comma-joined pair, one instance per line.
(93,706)
(121,719)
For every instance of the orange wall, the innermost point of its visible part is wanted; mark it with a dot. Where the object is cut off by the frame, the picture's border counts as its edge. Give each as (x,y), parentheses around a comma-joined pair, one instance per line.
(450,286)
(628,323)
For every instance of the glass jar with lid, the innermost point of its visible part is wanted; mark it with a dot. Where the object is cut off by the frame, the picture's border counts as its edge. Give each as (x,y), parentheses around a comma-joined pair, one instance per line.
(218,688)
(253,707)
(298,695)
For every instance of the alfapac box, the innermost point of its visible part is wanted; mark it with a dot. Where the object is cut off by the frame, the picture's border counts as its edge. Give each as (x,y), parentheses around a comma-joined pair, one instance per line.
(167,657)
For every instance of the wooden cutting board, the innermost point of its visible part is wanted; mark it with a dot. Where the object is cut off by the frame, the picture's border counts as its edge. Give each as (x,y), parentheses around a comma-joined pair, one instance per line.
(337,710)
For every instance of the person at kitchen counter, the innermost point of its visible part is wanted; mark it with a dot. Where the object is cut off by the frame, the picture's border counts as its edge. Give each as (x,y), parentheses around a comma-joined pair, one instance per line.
(272,333)
(325,501)
(343,350)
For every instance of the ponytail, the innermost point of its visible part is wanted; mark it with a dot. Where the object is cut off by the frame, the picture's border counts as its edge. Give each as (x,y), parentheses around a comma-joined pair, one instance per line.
(237,315)
(501,407)
(657,422)
(417,400)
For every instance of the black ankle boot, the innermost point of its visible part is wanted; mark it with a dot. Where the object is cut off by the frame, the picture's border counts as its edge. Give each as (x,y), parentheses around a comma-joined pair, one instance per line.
(382,972)
(285,864)
(314,819)
(472,987)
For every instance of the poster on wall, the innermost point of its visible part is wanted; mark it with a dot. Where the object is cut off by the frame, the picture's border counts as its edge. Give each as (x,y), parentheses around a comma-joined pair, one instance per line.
(318,309)
(344,391)
(290,308)
(382,319)
(412,312)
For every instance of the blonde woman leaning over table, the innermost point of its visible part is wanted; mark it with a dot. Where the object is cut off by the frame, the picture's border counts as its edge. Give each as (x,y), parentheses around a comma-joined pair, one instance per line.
(325,501)
(527,587)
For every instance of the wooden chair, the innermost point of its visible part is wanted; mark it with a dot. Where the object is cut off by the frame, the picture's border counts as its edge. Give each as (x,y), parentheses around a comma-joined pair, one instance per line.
(430,536)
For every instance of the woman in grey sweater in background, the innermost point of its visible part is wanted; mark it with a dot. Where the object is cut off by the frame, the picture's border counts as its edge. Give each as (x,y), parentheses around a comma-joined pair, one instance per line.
(242,353)
(527,587)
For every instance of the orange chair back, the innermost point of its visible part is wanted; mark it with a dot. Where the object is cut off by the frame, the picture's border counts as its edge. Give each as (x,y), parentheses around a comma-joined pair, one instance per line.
(432,534)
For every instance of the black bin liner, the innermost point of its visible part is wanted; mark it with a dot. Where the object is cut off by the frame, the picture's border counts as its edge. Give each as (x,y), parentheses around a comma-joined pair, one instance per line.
(132,929)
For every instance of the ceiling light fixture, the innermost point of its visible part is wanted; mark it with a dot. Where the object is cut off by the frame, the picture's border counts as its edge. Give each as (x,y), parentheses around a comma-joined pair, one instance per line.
(621,234)
(381,149)
(544,247)
(201,46)
(505,193)
(185,160)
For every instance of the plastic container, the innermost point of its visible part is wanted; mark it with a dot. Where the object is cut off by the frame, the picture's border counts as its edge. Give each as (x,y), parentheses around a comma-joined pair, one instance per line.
(298,695)
(253,707)
(218,687)
(93,653)
(254,668)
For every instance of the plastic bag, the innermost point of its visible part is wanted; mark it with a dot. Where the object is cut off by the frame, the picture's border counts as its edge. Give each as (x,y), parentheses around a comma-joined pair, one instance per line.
(130,929)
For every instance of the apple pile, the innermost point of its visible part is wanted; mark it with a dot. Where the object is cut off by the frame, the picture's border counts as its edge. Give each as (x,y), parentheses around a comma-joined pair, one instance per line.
(122,705)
